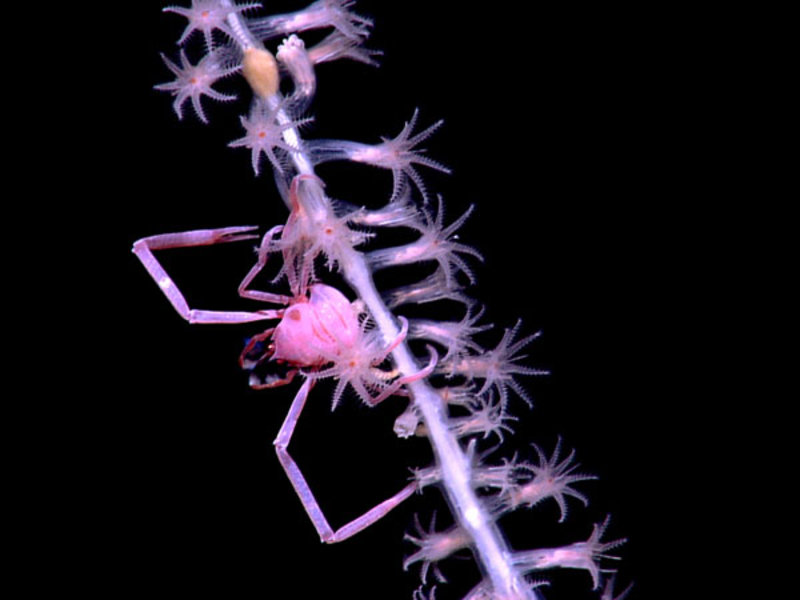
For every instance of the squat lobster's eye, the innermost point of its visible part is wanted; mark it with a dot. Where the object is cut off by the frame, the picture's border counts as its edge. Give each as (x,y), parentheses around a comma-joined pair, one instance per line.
(294,315)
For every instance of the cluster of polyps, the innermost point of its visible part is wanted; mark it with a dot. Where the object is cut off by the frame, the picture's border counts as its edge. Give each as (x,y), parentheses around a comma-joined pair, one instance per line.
(320,333)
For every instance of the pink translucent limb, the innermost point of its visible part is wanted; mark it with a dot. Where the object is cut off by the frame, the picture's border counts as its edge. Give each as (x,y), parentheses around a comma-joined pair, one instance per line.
(144,248)
(326,533)
(263,253)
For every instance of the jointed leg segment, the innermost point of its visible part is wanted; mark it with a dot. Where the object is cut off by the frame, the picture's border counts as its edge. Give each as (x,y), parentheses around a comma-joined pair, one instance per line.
(144,248)
(326,533)
(263,253)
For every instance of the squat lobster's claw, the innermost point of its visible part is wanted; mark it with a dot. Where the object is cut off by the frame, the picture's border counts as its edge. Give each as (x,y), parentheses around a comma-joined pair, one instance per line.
(236,234)
(198,237)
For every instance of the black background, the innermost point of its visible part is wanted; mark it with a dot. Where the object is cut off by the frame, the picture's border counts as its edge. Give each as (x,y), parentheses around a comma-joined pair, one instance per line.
(560,127)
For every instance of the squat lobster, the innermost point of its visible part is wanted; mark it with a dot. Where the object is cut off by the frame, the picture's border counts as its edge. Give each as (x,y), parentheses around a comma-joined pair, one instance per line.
(320,334)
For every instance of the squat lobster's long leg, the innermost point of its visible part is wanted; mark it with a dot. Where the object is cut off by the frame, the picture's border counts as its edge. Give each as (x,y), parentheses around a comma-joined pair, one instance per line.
(144,248)
(326,533)
(263,254)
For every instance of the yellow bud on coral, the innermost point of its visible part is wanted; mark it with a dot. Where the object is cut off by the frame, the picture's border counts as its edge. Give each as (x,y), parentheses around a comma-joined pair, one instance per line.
(261,71)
